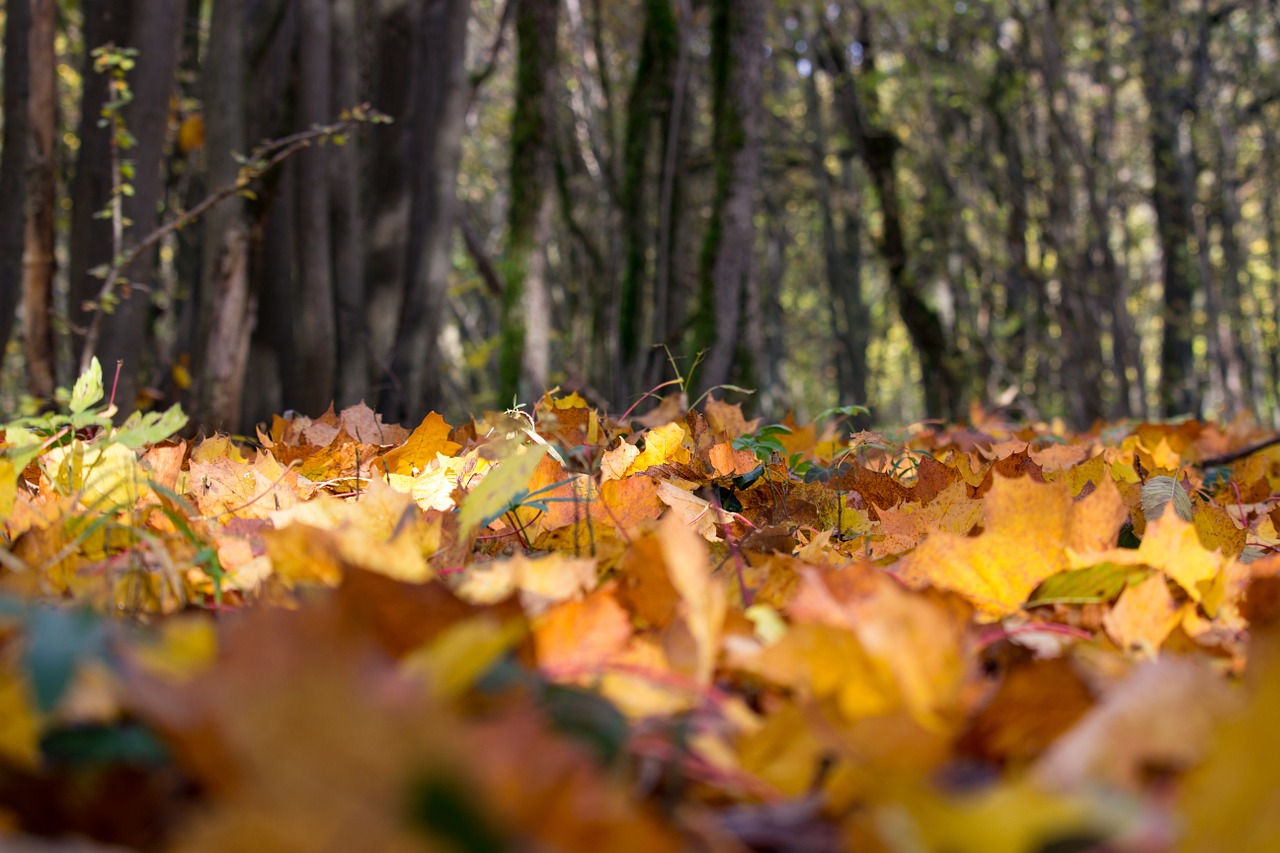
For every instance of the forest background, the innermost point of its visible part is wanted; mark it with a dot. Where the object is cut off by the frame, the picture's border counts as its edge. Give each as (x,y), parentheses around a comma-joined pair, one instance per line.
(1068,209)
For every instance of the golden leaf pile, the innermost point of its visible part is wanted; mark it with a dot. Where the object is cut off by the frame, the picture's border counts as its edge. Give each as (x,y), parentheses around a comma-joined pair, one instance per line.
(557,631)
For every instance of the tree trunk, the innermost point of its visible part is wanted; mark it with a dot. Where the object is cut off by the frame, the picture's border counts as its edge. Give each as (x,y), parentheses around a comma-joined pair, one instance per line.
(1179,385)
(228,306)
(728,254)
(90,238)
(1080,306)
(13,163)
(648,123)
(522,367)
(841,253)
(316,325)
(37,257)
(154,28)
(346,212)
(386,236)
(878,148)
(438,94)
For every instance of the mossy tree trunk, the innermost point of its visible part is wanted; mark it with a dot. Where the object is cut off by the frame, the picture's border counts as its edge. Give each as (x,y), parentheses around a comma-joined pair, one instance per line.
(728,254)
(648,125)
(522,368)
(1168,98)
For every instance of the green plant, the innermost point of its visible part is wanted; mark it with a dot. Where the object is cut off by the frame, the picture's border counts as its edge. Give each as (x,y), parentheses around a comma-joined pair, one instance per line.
(74,447)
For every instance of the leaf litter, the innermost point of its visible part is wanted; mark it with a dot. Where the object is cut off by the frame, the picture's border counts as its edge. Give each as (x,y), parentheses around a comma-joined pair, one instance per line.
(557,630)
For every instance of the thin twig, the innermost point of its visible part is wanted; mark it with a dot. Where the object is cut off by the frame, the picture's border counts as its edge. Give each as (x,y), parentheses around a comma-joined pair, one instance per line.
(495,50)
(279,150)
(1227,458)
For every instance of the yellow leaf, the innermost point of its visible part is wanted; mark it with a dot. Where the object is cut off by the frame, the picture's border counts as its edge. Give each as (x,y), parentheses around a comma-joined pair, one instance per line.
(1026,530)
(1144,616)
(8,487)
(1012,817)
(661,444)
(909,523)
(540,583)
(108,477)
(183,647)
(615,463)
(702,599)
(1217,531)
(1170,545)
(580,636)
(430,438)
(19,724)
(463,652)
(1231,803)
(827,662)
(191,133)
(691,510)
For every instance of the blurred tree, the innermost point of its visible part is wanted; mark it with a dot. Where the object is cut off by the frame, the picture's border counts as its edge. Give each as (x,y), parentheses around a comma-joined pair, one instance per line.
(728,253)
(153,28)
(524,359)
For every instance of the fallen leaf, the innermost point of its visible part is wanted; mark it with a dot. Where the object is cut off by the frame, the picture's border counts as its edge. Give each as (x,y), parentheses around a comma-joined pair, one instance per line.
(1022,543)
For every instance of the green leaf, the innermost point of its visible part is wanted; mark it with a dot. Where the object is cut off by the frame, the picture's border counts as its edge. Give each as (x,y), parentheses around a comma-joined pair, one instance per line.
(500,489)
(57,640)
(88,388)
(125,743)
(150,428)
(1095,584)
(1158,492)
(847,411)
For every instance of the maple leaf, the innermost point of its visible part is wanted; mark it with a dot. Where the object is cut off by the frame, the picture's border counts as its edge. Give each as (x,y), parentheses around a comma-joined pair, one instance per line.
(726,420)
(578,637)
(1170,545)
(702,597)
(1144,616)
(661,444)
(1130,731)
(1229,801)
(431,437)
(906,525)
(1028,527)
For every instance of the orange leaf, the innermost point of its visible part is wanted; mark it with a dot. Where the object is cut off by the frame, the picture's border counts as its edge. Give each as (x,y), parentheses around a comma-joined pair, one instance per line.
(431,437)
(661,444)
(1026,529)
(579,636)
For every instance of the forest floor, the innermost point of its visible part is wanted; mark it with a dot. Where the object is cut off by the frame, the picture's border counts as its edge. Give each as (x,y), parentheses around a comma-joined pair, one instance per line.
(545,629)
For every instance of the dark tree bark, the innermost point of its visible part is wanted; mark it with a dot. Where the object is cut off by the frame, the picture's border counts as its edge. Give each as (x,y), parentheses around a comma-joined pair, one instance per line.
(436,112)
(38,253)
(271,112)
(1024,285)
(386,229)
(728,255)
(523,361)
(228,304)
(316,324)
(648,124)
(154,28)
(347,213)
(1168,102)
(13,163)
(841,249)
(1080,308)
